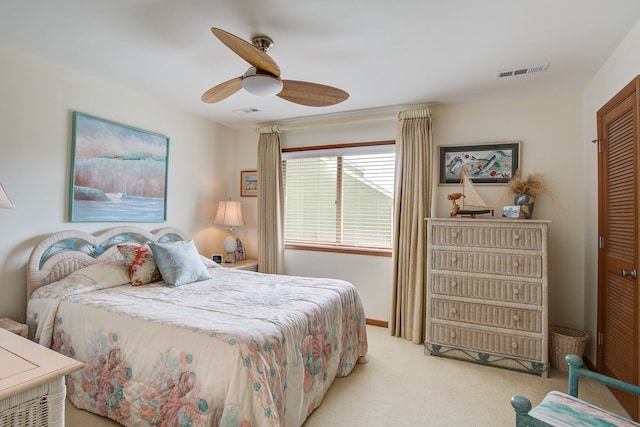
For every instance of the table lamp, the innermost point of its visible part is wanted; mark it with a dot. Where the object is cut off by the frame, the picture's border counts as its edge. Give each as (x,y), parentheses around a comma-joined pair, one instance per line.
(230,215)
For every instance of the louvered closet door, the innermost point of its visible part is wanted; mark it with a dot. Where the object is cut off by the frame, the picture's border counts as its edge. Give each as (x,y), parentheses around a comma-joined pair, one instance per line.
(618,223)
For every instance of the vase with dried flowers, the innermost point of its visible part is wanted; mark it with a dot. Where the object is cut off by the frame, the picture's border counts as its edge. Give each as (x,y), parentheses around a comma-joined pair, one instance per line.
(525,191)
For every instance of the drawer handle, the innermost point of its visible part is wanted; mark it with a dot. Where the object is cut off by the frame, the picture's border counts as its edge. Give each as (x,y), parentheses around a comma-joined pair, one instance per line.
(454,284)
(516,236)
(453,310)
(516,291)
(514,345)
(516,317)
(452,334)
(516,264)
(454,234)
(454,259)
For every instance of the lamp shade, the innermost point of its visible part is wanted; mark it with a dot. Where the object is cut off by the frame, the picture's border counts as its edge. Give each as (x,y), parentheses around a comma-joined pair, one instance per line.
(5,201)
(229,214)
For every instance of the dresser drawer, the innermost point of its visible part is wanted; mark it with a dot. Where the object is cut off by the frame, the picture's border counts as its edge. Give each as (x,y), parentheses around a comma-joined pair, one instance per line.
(487,262)
(487,315)
(487,289)
(486,341)
(487,237)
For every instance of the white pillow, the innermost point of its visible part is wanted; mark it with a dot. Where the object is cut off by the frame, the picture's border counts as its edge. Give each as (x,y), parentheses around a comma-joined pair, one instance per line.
(179,262)
(108,275)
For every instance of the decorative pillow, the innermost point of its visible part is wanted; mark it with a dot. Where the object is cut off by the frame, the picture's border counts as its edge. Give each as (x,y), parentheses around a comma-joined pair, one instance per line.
(142,266)
(179,262)
(107,275)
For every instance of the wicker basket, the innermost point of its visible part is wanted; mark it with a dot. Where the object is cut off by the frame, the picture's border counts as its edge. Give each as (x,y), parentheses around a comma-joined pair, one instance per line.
(565,341)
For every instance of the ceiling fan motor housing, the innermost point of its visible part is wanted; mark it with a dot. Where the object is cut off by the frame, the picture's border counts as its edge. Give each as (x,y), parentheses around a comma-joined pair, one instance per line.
(262,42)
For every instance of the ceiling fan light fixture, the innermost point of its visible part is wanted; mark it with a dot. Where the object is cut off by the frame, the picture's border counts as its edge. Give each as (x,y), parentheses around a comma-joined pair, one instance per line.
(261,84)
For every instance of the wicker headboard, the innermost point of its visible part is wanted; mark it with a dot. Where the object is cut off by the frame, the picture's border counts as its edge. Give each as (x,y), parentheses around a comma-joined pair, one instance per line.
(64,252)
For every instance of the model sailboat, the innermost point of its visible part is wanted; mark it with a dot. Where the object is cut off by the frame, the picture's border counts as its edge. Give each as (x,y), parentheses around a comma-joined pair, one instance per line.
(472,203)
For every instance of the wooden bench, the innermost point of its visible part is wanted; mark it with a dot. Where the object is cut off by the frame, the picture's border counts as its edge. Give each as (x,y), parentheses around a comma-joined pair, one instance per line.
(565,409)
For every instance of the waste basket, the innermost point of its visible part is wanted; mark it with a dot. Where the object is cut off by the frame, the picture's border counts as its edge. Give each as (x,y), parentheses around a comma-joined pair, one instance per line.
(565,341)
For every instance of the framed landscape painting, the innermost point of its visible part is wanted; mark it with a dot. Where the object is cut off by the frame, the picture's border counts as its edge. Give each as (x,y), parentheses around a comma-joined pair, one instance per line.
(249,184)
(482,163)
(118,173)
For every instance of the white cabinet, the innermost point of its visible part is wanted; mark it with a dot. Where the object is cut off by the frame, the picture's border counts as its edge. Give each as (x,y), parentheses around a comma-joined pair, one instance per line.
(487,292)
(32,388)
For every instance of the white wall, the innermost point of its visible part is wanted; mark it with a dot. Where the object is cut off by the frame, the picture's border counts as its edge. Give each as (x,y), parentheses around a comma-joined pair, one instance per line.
(247,144)
(37,99)
(620,68)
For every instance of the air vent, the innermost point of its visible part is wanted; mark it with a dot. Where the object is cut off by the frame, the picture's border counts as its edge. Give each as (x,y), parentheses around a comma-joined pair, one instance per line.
(248,110)
(521,71)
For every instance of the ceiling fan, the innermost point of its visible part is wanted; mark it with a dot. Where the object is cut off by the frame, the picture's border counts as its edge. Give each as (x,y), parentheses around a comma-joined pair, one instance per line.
(263,77)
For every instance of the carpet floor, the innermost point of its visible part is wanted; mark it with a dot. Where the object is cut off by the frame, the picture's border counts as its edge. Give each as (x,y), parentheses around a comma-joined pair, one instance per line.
(401,386)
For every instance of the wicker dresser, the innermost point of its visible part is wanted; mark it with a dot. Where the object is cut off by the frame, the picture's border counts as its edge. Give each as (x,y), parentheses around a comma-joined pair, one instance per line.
(487,292)
(32,388)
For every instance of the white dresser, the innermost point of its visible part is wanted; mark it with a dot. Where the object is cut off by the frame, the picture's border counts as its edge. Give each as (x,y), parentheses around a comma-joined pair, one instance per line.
(32,386)
(487,292)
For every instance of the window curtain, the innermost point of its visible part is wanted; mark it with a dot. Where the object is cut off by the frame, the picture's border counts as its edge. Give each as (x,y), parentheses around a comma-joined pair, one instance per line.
(270,203)
(414,147)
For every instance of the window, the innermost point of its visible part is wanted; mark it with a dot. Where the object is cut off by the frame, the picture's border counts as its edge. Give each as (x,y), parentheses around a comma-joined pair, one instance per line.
(340,197)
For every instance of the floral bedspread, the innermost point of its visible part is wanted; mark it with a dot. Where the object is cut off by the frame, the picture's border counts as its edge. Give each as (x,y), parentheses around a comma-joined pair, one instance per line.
(241,349)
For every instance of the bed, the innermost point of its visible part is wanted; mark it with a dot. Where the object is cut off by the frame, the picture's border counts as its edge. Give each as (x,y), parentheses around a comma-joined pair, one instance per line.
(234,348)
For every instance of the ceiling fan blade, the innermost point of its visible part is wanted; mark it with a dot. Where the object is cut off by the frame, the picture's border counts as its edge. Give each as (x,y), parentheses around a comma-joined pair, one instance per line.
(222,91)
(248,52)
(311,94)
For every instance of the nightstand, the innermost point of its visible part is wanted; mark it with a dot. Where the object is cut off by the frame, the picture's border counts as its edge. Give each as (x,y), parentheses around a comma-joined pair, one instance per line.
(13,326)
(247,264)
(32,389)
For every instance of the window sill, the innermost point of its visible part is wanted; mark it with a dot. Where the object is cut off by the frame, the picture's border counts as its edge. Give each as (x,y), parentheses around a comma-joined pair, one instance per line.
(339,249)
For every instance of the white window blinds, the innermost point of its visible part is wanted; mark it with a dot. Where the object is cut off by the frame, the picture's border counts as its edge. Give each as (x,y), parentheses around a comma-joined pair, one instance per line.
(340,197)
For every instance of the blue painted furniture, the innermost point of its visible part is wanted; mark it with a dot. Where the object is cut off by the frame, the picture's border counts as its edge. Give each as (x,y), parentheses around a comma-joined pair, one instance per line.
(561,409)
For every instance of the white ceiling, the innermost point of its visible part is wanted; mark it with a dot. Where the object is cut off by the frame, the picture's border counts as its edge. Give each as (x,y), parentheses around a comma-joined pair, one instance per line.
(384,53)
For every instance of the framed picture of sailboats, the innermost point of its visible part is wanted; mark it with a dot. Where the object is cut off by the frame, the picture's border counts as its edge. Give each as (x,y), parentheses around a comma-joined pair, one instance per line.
(118,173)
(494,163)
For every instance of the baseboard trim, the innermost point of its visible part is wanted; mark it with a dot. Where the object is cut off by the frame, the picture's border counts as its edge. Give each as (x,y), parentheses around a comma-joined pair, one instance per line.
(374,322)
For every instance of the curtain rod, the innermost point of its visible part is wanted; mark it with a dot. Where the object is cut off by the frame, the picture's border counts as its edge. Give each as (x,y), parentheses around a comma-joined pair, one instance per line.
(420,112)
(332,122)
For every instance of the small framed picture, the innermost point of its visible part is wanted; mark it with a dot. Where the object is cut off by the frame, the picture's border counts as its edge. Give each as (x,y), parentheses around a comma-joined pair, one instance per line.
(217,258)
(511,212)
(249,184)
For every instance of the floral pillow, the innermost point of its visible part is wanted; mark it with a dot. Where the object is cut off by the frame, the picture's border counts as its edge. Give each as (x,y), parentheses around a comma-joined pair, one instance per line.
(142,266)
